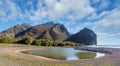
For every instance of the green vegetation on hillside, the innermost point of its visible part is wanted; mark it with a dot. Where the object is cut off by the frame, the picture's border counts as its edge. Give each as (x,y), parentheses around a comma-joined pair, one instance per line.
(45,42)
(38,42)
(7,40)
(28,40)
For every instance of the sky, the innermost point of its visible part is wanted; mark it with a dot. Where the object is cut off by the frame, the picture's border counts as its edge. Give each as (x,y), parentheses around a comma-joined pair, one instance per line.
(102,16)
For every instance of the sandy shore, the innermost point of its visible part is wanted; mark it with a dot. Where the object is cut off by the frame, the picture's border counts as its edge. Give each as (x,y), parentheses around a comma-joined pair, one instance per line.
(112,55)
(17,52)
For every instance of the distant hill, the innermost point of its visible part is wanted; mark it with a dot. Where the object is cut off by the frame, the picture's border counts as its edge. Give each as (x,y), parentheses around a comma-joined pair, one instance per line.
(11,32)
(85,36)
(51,31)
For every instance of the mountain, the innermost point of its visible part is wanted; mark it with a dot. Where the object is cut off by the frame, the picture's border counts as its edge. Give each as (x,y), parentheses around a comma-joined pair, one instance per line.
(11,32)
(85,36)
(49,31)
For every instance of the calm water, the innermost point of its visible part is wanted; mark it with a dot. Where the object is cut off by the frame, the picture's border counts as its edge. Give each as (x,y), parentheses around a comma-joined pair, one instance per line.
(65,53)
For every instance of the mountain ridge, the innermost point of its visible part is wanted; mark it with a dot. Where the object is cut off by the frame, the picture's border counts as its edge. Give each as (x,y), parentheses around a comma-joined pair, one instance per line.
(10,32)
(51,31)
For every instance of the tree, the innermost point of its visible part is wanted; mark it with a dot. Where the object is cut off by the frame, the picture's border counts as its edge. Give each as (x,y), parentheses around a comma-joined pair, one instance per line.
(6,40)
(28,40)
(42,42)
(36,42)
(60,44)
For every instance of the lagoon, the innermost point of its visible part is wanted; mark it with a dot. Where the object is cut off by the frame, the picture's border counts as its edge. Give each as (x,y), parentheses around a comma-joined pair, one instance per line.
(65,53)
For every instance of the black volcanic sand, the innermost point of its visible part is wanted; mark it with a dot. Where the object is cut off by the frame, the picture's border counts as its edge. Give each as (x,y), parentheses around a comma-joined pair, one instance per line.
(11,55)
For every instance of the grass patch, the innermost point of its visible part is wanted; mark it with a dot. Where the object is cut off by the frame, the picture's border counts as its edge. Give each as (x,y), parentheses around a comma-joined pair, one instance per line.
(86,55)
(3,45)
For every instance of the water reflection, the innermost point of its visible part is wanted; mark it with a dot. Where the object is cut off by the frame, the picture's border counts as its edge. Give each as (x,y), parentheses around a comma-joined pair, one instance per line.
(99,55)
(65,53)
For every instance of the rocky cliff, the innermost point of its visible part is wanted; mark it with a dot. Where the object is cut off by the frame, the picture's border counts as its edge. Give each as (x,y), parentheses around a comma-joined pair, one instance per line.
(85,36)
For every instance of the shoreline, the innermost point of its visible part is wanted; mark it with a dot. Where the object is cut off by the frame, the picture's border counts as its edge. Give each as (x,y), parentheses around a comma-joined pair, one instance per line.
(106,51)
(113,55)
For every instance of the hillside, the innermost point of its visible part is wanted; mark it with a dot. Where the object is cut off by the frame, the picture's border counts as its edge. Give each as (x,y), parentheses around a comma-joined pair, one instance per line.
(48,30)
(11,32)
(85,36)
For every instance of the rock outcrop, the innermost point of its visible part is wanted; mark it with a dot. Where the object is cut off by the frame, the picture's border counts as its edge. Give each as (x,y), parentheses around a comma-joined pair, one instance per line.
(85,36)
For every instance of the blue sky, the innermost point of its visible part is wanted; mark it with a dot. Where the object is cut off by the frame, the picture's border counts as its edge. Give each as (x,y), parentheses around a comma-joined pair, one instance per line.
(102,16)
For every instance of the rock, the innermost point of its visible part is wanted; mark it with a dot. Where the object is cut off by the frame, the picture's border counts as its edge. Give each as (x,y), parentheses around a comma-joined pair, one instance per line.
(85,36)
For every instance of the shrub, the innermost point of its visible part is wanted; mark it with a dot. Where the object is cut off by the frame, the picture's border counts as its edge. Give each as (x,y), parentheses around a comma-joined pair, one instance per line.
(36,42)
(28,40)
(6,40)
(42,42)
(69,43)
(60,44)
(64,44)
(49,43)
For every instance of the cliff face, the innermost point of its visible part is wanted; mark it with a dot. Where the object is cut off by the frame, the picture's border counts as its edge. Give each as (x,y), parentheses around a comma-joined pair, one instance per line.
(85,36)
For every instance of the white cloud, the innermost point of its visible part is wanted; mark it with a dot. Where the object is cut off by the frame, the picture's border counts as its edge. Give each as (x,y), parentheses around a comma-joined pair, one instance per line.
(50,3)
(107,39)
(79,9)
(59,10)
(110,22)
(108,29)
(98,16)
(9,11)
(101,4)
(13,8)
(55,10)
(52,9)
